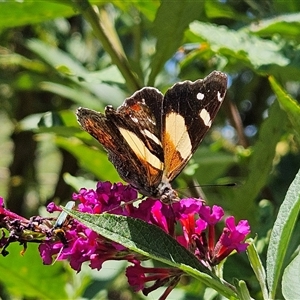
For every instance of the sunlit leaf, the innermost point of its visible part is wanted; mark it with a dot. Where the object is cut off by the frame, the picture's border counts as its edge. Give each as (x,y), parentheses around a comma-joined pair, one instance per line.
(172,19)
(26,12)
(290,279)
(91,159)
(287,25)
(239,45)
(281,234)
(288,104)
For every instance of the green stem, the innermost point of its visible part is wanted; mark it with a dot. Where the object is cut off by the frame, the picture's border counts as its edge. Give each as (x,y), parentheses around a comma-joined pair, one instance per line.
(117,57)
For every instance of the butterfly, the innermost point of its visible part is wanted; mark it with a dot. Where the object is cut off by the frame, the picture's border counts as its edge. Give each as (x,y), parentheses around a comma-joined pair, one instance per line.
(151,137)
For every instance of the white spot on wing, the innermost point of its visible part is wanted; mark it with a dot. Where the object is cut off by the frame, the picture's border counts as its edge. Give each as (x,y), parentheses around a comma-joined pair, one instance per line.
(134,119)
(151,121)
(205,116)
(200,96)
(219,97)
(140,149)
(178,134)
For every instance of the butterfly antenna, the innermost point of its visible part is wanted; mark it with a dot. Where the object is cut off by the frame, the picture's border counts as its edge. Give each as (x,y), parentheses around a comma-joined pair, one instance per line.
(196,189)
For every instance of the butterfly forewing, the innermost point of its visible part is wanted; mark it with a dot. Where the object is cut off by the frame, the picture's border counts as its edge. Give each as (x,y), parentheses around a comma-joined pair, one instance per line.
(188,111)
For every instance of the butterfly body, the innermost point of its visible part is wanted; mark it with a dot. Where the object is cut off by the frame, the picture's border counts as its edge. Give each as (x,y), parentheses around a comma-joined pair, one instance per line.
(151,137)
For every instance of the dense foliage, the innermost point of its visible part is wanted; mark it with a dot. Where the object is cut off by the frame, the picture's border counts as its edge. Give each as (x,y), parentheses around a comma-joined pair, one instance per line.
(58,55)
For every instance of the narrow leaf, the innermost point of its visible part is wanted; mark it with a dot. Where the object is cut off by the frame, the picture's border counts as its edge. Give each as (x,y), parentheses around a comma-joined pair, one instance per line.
(288,104)
(290,279)
(90,159)
(172,19)
(243,291)
(79,96)
(258,268)
(242,198)
(281,234)
(56,58)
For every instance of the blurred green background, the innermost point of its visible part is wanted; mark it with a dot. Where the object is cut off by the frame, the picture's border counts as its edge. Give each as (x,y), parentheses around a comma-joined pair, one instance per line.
(58,55)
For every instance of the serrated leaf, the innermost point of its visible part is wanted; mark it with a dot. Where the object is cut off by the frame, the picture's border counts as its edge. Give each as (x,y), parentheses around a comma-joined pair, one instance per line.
(172,19)
(290,279)
(287,25)
(288,104)
(239,45)
(151,241)
(26,12)
(281,233)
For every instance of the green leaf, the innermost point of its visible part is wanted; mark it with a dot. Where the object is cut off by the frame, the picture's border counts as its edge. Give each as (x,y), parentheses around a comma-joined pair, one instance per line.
(79,96)
(152,242)
(288,104)
(172,19)
(79,182)
(56,58)
(222,9)
(148,8)
(110,75)
(281,233)
(290,279)
(243,291)
(212,165)
(238,45)
(90,159)
(26,12)
(242,198)
(26,276)
(72,70)
(287,25)
(258,268)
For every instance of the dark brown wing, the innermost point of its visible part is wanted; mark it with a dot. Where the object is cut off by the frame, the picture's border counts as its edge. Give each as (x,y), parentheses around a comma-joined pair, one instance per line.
(188,111)
(131,136)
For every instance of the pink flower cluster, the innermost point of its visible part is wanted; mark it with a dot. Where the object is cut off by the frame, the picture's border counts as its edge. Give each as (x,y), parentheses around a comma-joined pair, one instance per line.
(76,243)
(198,222)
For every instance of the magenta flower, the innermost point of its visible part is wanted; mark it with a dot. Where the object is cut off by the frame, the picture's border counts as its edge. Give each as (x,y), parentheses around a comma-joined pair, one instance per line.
(231,239)
(76,243)
(138,276)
